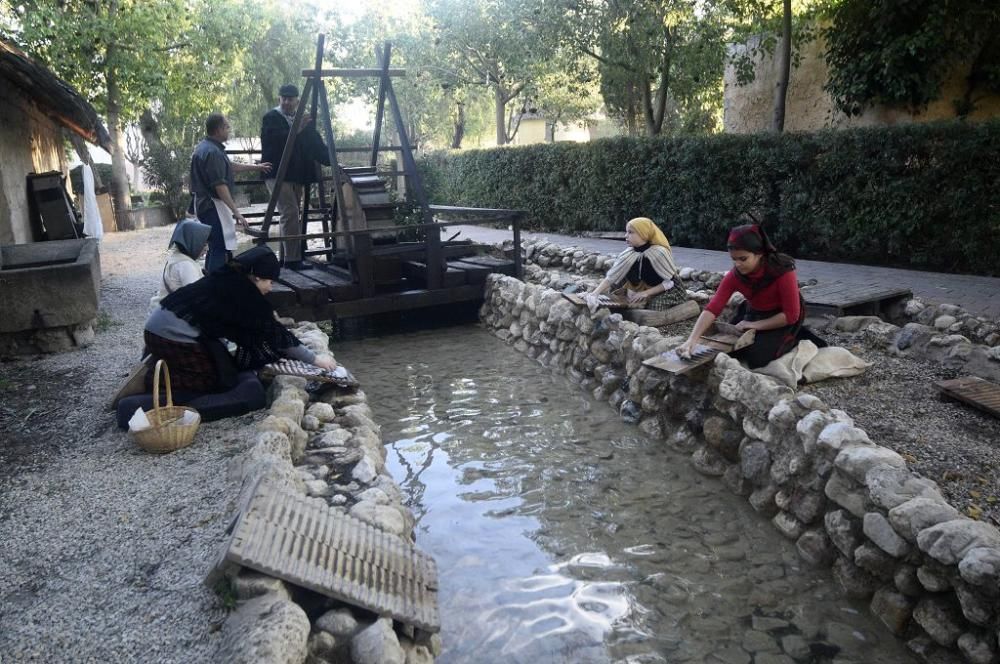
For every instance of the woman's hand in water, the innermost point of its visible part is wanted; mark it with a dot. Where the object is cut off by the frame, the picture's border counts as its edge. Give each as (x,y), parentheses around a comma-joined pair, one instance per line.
(325,362)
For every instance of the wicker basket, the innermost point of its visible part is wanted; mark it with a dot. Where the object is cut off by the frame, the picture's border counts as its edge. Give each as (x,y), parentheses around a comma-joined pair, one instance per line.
(165,432)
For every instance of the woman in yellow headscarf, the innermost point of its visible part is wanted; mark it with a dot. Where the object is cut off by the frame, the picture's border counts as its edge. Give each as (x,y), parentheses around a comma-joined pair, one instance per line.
(646,270)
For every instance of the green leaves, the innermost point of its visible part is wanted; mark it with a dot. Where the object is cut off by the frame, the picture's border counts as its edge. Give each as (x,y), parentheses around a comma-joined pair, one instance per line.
(899,196)
(899,53)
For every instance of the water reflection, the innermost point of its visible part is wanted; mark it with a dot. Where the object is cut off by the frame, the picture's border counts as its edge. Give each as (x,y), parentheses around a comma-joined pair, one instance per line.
(562,535)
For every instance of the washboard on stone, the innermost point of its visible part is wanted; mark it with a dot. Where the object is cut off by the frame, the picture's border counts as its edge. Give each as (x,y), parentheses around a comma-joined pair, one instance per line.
(287,535)
(842,299)
(974,391)
(720,338)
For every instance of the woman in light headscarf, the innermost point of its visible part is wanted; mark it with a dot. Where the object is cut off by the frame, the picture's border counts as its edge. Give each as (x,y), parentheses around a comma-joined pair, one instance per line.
(187,245)
(646,270)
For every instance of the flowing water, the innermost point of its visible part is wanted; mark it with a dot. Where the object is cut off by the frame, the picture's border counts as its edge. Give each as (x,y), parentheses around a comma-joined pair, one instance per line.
(564,535)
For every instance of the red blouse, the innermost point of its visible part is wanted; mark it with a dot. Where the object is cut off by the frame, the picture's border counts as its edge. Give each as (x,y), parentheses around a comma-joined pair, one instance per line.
(782,293)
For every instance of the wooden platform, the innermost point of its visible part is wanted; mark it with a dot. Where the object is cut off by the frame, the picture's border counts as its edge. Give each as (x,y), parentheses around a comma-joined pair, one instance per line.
(840,299)
(974,391)
(323,293)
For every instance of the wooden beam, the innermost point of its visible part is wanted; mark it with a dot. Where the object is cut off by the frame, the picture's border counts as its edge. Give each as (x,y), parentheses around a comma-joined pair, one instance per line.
(404,301)
(380,109)
(353,73)
(409,163)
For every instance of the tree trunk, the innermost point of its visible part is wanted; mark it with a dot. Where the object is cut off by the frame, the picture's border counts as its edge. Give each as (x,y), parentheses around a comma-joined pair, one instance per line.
(459,134)
(784,69)
(500,106)
(83,152)
(120,197)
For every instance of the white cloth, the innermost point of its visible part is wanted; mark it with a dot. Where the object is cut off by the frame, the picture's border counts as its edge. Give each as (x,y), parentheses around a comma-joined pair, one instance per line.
(228,222)
(92,225)
(180,270)
(806,363)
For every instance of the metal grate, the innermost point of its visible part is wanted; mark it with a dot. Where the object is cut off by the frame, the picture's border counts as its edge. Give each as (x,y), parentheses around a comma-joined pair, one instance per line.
(303,541)
(975,391)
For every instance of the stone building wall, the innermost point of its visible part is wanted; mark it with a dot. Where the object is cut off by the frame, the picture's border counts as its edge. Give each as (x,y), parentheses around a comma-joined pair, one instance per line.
(749,108)
(932,575)
(29,142)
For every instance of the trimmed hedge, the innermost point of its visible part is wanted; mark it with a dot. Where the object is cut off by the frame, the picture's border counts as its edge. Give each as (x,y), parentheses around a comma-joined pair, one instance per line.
(922,196)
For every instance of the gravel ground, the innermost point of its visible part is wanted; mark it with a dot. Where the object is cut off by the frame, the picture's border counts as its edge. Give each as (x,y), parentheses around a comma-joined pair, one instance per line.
(896,403)
(104,546)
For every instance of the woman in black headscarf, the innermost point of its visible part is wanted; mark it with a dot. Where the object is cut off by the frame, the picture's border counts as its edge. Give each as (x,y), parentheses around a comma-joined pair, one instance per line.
(773,305)
(227,304)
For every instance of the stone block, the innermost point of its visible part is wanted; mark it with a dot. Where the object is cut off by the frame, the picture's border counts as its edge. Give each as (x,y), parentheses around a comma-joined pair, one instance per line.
(788,525)
(941,619)
(60,290)
(950,541)
(933,578)
(377,644)
(893,608)
(843,531)
(855,462)
(855,581)
(265,630)
(980,566)
(814,547)
(889,487)
(874,560)
(878,530)
(978,648)
(916,514)
(846,494)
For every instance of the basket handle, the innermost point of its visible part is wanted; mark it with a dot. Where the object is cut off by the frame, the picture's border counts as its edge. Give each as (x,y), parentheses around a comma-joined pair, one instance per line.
(156,386)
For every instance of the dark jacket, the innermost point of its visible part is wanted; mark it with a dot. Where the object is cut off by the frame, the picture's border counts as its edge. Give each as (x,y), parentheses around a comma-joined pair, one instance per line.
(309,148)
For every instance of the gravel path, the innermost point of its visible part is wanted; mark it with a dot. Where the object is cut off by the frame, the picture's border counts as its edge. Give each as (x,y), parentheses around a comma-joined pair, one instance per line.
(104,547)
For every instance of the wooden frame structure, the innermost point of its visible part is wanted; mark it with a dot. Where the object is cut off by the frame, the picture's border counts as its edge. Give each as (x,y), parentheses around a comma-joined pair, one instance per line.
(368,269)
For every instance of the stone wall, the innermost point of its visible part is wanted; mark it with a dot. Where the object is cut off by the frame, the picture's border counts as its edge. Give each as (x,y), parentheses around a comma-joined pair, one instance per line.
(29,142)
(808,107)
(932,576)
(945,333)
(329,449)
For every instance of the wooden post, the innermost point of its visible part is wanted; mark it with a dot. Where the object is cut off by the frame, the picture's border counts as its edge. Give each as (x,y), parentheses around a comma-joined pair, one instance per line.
(286,157)
(435,259)
(380,109)
(409,163)
(364,263)
(320,185)
(331,146)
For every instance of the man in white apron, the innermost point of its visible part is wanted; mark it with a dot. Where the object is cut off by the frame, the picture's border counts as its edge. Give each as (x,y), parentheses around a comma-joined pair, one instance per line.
(212,186)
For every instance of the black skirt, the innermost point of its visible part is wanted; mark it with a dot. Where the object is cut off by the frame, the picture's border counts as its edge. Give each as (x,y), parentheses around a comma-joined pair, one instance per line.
(769,345)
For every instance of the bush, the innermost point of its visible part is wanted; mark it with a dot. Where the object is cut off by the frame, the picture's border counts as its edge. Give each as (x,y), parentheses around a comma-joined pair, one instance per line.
(922,196)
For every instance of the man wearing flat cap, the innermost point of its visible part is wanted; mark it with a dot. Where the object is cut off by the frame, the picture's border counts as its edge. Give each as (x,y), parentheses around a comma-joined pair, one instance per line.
(308,149)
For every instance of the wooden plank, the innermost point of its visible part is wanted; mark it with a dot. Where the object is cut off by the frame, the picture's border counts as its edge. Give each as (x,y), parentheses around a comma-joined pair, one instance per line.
(308,291)
(404,301)
(674,363)
(974,391)
(612,302)
(338,288)
(501,265)
(281,296)
(659,318)
(352,73)
(474,274)
(839,294)
(452,277)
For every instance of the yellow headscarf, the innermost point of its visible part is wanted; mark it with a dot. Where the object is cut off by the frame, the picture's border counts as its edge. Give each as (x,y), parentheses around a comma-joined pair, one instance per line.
(649,231)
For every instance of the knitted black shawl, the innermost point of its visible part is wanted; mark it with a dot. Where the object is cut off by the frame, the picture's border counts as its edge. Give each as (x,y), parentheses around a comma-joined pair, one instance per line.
(226,304)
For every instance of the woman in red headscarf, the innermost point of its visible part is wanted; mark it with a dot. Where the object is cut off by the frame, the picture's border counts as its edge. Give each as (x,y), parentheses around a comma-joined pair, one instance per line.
(773,305)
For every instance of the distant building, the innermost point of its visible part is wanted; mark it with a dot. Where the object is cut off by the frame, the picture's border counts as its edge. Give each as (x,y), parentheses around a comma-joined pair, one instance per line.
(808,107)
(35,109)
(535,128)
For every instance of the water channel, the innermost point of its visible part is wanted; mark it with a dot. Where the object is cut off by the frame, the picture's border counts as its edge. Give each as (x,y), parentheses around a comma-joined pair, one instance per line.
(564,535)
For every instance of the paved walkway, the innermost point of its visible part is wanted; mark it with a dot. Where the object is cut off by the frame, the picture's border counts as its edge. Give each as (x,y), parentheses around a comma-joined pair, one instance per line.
(978,295)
